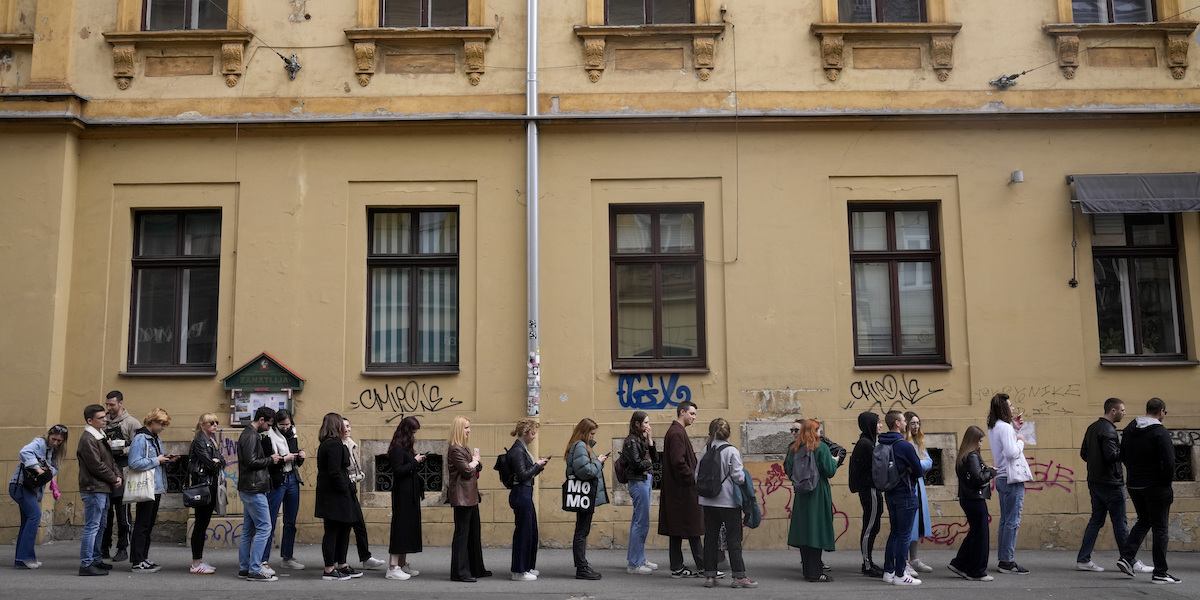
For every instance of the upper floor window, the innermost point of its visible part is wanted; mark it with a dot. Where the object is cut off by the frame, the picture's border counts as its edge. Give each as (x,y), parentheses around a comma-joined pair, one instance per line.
(1138,297)
(412,290)
(1113,11)
(644,12)
(657,270)
(169,15)
(423,13)
(176,270)
(881,11)
(896,286)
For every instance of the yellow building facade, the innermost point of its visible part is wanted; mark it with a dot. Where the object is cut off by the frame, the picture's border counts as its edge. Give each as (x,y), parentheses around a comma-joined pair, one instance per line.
(774,210)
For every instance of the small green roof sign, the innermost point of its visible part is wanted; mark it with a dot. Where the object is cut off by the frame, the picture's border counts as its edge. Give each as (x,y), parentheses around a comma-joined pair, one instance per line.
(263,374)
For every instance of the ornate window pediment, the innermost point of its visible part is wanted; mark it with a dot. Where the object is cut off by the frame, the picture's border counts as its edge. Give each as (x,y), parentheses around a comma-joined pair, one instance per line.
(370,36)
(1078,34)
(228,45)
(601,39)
(889,44)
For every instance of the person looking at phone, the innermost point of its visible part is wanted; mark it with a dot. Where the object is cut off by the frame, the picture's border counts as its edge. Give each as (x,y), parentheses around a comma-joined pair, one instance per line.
(524,468)
(281,439)
(146,454)
(584,464)
(1008,448)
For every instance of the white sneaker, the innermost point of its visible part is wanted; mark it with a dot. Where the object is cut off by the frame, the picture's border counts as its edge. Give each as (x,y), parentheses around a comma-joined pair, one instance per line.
(906,580)
(411,570)
(639,570)
(267,570)
(920,566)
(1089,566)
(1141,567)
(889,577)
(535,572)
(372,563)
(526,576)
(910,572)
(397,573)
(653,567)
(291,563)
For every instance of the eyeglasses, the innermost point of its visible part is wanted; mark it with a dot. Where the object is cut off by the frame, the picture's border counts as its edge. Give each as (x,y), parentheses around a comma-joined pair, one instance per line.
(60,429)
(214,422)
(795,430)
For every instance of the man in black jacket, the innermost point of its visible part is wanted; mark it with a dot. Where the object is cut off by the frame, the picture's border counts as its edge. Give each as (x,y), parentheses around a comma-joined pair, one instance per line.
(1106,482)
(253,484)
(1150,460)
(861,484)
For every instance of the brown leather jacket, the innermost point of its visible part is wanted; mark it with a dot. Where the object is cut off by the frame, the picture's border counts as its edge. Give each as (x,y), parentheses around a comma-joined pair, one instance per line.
(462,489)
(97,471)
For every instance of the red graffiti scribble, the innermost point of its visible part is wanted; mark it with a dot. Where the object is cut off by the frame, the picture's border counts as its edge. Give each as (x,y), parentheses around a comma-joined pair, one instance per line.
(1048,475)
(947,534)
(777,480)
(845,522)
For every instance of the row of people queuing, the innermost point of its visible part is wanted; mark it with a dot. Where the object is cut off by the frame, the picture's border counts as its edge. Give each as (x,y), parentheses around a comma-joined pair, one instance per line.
(709,496)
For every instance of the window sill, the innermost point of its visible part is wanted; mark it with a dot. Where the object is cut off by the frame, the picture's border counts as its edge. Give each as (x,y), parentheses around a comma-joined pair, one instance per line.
(232,44)
(166,373)
(408,372)
(1133,362)
(937,39)
(901,367)
(366,39)
(16,39)
(703,35)
(1175,34)
(658,370)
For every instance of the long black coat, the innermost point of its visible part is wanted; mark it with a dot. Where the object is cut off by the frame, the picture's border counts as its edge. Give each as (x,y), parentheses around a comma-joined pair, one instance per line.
(679,512)
(405,535)
(334,498)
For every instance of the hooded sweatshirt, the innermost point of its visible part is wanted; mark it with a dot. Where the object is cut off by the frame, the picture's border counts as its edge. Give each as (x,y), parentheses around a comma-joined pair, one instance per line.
(1148,453)
(860,459)
(906,459)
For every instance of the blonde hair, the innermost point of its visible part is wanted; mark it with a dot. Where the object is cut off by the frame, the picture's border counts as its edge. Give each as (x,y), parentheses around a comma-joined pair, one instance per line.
(918,438)
(524,427)
(204,418)
(458,431)
(582,430)
(157,415)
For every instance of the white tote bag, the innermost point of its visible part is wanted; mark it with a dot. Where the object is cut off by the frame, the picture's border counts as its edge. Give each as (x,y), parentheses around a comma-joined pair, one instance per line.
(1019,471)
(139,485)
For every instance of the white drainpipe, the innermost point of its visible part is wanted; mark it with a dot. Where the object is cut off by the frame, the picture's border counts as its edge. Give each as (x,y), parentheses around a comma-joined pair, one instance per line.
(533,375)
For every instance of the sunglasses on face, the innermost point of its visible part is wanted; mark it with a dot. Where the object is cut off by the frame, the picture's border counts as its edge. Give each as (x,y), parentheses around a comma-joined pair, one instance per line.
(214,422)
(795,430)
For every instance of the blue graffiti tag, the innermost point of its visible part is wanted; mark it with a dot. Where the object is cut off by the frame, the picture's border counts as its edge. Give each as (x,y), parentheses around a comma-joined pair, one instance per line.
(631,397)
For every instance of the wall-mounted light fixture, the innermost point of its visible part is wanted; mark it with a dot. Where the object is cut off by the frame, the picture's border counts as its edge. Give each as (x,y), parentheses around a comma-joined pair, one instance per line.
(1017,176)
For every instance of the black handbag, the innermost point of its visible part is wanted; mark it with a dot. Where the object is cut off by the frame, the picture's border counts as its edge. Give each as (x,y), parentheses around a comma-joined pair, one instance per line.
(579,495)
(32,480)
(197,495)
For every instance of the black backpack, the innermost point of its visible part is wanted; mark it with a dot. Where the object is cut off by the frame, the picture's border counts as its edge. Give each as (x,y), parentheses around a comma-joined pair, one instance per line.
(710,475)
(804,470)
(507,477)
(885,473)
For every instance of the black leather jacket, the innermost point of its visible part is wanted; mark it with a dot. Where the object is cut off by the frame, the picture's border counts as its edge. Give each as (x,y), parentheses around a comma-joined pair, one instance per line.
(974,478)
(1102,451)
(639,458)
(523,469)
(205,464)
(253,477)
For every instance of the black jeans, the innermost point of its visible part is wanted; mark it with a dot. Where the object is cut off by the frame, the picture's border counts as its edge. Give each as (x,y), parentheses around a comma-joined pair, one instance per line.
(872,511)
(676,552)
(732,519)
(119,512)
(1153,506)
(972,557)
(811,563)
(200,528)
(143,525)
(336,543)
(360,539)
(466,547)
(525,534)
(583,526)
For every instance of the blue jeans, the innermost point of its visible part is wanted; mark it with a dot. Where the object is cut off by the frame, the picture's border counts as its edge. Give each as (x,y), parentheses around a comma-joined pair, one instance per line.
(902,509)
(287,496)
(255,531)
(95,507)
(639,526)
(31,517)
(1107,500)
(1012,499)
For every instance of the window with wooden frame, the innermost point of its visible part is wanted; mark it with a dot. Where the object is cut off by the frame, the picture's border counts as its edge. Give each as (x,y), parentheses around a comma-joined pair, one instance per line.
(174,15)
(896,274)
(176,269)
(1135,260)
(1113,11)
(647,12)
(423,13)
(657,285)
(881,11)
(412,289)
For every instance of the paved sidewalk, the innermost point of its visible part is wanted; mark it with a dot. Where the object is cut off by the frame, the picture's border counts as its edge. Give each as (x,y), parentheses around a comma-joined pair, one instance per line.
(777,571)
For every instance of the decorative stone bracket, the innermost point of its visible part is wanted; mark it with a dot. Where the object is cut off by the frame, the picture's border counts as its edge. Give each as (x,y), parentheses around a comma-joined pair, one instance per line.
(937,37)
(125,44)
(704,43)
(16,39)
(367,40)
(1175,34)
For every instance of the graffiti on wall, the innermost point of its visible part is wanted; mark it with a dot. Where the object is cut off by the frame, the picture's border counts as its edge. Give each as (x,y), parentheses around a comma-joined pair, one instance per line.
(774,489)
(411,397)
(948,534)
(1036,399)
(221,533)
(1185,437)
(888,393)
(1050,475)
(651,392)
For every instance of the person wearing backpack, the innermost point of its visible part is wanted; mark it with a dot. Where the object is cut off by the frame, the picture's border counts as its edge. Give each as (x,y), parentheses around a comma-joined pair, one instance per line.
(586,465)
(721,461)
(809,464)
(524,468)
(679,512)
(861,484)
(898,484)
(638,455)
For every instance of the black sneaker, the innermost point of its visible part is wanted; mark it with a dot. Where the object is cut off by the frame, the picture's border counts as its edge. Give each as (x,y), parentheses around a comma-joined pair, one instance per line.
(683,573)
(1012,568)
(1164,578)
(260,576)
(872,570)
(102,565)
(349,571)
(958,571)
(587,573)
(1125,567)
(92,571)
(144,567)
(243,574)
(121,555)
(334,575)
(720,574)
(106,553)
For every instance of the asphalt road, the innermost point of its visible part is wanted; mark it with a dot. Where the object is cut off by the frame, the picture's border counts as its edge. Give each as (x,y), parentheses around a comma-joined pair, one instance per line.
(1053,576)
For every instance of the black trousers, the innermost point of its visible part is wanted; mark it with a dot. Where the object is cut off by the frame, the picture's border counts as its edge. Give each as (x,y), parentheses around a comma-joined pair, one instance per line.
(525,535)
(143,525)
(200,528)
(583,526)
(714,517)
(466,548)
(972,557)
(336,543)
(1153,505)
(118,512)
(811,563)
(872,511)
(676,552)
(360,539)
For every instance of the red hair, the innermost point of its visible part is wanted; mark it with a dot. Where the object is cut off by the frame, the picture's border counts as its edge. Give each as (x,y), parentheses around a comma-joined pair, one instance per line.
(808,435)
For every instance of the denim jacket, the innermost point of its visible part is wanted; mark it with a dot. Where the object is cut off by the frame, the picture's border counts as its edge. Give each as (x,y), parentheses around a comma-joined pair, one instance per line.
(29,456)
(143,456)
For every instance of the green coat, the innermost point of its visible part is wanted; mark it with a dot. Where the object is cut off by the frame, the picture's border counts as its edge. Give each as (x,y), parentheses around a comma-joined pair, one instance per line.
(812,513)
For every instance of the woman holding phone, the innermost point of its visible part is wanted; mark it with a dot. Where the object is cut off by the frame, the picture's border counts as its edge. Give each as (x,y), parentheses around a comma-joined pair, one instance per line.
(584,464)
(462,491)
(1008,451)
(146,454)
(205,465)
(407,494)
(524,468)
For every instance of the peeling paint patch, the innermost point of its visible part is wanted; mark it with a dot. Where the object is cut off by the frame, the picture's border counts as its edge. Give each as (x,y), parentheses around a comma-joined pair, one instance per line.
(298,11)
(1176,531)
(84,33)
(775,403)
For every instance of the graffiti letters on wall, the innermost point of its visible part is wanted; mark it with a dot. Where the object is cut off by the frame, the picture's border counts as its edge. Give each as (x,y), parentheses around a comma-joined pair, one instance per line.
(774,489)
(1037,399)
(888,393)
(651,392)
(412,397)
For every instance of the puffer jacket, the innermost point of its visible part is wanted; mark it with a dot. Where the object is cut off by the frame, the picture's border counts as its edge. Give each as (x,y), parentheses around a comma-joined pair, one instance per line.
(586,467)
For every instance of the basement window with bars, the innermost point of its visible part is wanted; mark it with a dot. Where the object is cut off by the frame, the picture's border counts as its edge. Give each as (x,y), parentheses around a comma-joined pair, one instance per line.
(1183,464)
(935,475)
(176,475)
(429,473)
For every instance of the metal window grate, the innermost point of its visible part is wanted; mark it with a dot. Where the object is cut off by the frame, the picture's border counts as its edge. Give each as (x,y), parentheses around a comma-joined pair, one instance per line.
(935,475)
(1183,464)
(429,473)
(176,474)
(383,473)
(656,473)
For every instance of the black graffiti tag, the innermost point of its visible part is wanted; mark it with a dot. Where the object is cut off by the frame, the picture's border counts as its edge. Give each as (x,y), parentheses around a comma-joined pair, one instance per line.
(888,392)
(412,397)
